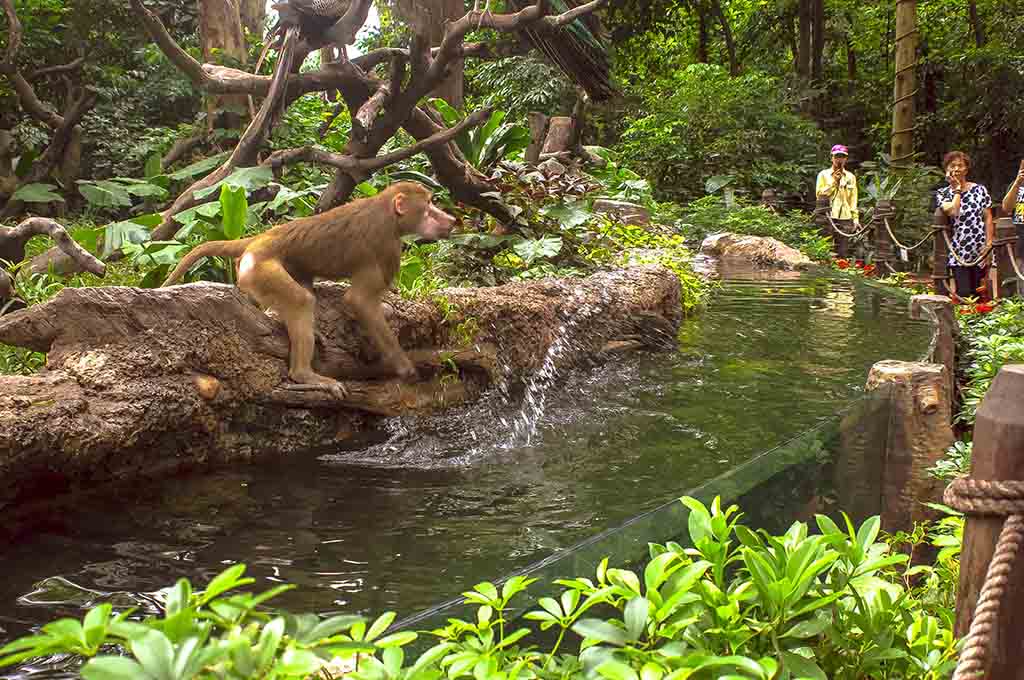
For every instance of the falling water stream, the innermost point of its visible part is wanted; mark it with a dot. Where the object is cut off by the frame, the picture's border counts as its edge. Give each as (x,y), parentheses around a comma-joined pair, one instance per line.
(425,507)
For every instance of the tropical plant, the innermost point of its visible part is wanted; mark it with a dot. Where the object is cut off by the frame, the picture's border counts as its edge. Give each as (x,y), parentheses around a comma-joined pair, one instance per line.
(736,604)
(493,141)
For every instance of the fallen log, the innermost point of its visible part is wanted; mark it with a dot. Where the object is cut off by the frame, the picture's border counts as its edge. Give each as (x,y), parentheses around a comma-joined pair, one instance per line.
(145,383)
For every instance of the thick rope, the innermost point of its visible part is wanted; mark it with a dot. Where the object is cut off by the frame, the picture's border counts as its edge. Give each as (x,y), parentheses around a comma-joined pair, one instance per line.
(956,256)
(917,245)
(985,497)
(1013,261)
(854,235)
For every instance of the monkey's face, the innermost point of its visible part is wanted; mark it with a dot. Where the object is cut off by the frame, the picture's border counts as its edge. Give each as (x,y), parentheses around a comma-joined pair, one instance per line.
(436,224)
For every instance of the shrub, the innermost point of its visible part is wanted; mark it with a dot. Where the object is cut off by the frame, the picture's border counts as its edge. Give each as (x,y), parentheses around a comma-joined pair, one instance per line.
(706,123)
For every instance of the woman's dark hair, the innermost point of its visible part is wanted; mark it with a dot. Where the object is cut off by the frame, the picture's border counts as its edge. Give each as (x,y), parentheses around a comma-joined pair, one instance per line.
(956,156)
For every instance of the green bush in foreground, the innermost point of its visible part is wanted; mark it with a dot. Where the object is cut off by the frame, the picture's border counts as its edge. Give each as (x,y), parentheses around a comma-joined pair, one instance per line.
(739,604)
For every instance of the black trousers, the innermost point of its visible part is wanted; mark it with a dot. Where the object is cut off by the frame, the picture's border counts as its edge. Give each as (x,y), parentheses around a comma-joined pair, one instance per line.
(968,280)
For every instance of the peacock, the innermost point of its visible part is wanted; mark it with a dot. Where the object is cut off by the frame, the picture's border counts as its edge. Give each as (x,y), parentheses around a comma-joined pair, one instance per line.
(577,48)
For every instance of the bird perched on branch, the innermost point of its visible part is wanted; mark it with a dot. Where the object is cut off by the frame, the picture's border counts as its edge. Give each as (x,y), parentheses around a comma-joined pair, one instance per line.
(577,48)
(314,20)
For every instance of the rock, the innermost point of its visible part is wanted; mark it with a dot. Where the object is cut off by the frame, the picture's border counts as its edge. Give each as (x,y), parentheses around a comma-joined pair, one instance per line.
(625,212)
(760,250)
(552,168)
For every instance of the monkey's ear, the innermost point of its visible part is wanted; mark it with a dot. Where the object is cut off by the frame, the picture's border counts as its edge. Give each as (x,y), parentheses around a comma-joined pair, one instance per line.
(399,204)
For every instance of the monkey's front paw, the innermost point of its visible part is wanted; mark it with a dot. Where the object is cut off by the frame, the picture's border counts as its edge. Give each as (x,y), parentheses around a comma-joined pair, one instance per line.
(319,382)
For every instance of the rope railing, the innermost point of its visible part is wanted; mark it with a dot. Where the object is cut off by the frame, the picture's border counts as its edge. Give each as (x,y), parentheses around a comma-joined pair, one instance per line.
(898,244)
(1013,259)
(984,497)
(985,252)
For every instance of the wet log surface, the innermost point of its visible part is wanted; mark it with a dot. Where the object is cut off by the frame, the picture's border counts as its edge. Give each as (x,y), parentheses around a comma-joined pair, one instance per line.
(145,383)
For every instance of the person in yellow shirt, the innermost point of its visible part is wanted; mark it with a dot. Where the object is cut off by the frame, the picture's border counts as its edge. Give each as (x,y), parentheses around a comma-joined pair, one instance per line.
(839,186)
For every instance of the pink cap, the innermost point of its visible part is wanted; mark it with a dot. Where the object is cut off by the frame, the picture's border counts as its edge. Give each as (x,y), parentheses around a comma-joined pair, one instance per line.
(840,149)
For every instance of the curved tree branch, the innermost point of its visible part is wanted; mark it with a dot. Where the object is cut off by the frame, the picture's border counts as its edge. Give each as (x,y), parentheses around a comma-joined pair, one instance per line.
(63,68)
(13,240)
(349,163)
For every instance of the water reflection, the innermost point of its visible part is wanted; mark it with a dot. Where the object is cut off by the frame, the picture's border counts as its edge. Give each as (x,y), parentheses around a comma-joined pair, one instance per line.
(421,510)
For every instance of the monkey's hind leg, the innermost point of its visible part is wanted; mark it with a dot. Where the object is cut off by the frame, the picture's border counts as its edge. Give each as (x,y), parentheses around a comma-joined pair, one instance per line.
(273,287)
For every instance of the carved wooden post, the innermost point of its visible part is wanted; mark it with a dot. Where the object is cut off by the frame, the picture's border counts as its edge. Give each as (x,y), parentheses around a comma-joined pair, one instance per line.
(770,200)
(538,130)
(998,454)
(1005,279)
(939,309)
(919,434)
(559,134)
(883,242)
(940,268)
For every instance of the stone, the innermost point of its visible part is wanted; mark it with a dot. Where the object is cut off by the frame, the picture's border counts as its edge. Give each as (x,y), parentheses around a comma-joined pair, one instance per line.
(759,250)
(624,211)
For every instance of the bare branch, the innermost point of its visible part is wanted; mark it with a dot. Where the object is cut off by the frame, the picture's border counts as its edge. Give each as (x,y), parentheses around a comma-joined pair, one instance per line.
(179,57)
(63,68)
(573,14)
(32,104)
(180,148)
(10,238)
(367,113)
(349,163)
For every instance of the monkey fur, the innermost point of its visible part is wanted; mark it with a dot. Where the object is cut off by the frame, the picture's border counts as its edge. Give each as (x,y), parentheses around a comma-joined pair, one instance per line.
(360,240)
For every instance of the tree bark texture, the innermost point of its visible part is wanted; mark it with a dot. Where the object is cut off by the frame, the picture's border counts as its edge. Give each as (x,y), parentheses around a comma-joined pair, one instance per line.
(902,146)
(143,383)
(817,39)
(805,21)
(253,14)
(451,88)
(220,31)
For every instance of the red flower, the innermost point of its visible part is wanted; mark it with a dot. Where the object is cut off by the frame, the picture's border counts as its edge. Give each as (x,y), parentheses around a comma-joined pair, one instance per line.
(984,308)
(869,270)
(859,264)
(843,264)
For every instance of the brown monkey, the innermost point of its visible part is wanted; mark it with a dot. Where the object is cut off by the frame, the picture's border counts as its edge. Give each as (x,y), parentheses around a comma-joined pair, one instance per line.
(360,240)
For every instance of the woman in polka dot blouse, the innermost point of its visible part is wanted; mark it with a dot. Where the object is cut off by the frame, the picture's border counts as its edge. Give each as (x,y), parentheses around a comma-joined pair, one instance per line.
(968,206)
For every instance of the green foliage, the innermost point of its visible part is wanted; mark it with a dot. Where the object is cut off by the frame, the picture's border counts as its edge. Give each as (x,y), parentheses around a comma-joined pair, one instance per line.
(486,144)
(710,215)
(738,603)
(955,463)
(989,341)
(702,123)
(519,85)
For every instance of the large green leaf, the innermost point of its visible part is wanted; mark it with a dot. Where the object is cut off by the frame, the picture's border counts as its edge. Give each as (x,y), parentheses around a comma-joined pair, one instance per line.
(199,167)
(36,193)
(105,194)
(532,249)
(246,179)
(234,210)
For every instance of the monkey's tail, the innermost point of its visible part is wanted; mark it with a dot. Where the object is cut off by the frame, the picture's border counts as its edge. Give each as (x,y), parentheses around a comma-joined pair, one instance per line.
(211,249)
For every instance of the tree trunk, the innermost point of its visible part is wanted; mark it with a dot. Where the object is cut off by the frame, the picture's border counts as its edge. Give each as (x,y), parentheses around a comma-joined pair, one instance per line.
(851,61)
(451,89)
(730,45)
(702,33)
(978,29)
(220,30)
(253,14)
(803,60)
(902,148)
(818,38)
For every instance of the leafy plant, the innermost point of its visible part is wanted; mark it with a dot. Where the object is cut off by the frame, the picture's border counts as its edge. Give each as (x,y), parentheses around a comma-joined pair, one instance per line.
(489,143)
(737,603)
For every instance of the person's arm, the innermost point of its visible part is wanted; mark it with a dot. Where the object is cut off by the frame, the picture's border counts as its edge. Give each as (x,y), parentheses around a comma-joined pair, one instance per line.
(853,199)
(1010,199)
(990,230)
(826,186)
(952,207)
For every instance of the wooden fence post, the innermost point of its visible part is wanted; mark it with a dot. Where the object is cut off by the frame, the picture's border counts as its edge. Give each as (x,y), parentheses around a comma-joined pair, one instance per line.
(940,268)
(998,454)
(538,131)
(883,242)
(1004,278)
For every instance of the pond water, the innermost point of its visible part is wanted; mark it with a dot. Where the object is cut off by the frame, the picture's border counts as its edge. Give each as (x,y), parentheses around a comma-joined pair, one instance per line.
(423,509)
